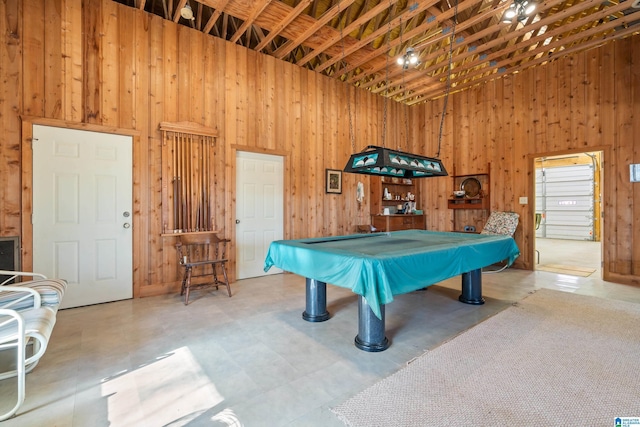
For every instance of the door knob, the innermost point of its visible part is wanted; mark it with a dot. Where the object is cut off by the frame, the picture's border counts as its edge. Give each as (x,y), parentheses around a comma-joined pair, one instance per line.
(237,221)
(125,214)
(126,225)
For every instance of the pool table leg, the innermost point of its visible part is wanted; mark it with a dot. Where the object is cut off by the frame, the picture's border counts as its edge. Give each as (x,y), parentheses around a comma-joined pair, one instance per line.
(472,287)
(370,329)
(316,304)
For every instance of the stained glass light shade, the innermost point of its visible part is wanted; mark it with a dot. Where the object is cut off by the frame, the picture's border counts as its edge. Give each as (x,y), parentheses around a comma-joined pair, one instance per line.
(382,161)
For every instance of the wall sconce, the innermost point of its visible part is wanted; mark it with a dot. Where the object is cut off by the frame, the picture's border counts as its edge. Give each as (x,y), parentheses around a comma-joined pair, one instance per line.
(520,9)
(409,58)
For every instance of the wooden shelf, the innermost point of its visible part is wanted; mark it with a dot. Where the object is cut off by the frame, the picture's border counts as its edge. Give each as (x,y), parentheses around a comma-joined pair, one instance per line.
(394,221)
(188,233)
(471,211)
(378,203)
(466,203)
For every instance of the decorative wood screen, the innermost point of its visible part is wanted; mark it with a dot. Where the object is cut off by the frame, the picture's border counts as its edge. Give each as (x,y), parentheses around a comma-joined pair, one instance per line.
(187,162)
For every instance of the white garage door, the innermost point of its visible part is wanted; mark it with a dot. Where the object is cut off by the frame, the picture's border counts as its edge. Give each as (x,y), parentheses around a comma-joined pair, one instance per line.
(565,197)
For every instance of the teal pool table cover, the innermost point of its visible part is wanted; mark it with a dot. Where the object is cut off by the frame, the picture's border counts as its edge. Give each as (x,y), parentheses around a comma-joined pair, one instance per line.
(381,265)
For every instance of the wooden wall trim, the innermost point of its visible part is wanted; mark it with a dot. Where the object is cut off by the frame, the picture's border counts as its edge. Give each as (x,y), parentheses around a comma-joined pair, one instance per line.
(188,127)
(623,279)
(260,150)
(67,124)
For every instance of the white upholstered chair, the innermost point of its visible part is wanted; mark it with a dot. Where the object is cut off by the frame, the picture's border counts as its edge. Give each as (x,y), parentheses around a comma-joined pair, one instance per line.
(501,223)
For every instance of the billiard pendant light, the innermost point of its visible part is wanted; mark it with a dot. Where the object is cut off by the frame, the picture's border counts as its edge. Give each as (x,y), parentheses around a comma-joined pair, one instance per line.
(382,161)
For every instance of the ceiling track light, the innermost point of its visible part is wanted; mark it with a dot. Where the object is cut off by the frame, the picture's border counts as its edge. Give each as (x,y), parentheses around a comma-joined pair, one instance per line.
(410,58)
(519,9)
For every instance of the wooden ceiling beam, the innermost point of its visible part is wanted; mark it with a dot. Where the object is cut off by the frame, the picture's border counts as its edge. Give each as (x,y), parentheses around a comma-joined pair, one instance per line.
(198,22)
(428,25)
(282,24)
(296,41)
(225,26)
(176,15)
(361,44)
(381,7)
(562,53)
(596,33)
(214,17)
(477,50)
(249,20)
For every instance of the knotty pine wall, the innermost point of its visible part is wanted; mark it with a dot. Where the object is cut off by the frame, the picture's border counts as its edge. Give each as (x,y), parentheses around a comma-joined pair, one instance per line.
(100,65)
(589,101)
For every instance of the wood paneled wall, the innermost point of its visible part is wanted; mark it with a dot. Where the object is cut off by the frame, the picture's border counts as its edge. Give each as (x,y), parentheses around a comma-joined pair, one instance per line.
(98,63)
(585,102)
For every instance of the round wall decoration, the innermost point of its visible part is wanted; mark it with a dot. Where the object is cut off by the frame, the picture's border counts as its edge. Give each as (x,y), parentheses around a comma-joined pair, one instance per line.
(471,187)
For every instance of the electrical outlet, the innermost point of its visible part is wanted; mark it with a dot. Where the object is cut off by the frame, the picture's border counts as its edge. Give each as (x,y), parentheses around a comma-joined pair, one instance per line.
(524,200)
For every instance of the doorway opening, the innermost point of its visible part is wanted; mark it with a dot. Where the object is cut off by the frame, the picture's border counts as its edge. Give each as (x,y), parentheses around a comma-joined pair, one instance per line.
(568,214)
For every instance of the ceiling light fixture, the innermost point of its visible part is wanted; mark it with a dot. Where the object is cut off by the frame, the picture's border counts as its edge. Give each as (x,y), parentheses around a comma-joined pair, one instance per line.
(186,12)
(520,9)
(382,161)
(410,58)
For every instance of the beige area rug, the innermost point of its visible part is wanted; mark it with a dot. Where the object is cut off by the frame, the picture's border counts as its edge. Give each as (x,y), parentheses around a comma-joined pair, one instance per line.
(553,359)
(571,270)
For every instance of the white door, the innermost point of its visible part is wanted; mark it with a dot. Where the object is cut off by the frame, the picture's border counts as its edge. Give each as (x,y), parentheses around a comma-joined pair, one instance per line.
(82,219)
(259,208)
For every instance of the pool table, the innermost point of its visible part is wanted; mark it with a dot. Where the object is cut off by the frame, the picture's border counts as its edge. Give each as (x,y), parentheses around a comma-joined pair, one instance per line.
(378,266)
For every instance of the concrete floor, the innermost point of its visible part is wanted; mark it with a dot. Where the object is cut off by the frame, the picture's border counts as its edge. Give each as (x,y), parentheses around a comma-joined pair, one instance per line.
(249,360)
(580,253)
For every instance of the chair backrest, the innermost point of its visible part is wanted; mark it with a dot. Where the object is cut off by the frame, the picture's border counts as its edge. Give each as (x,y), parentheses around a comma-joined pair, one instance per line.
(504,223)
(200,247)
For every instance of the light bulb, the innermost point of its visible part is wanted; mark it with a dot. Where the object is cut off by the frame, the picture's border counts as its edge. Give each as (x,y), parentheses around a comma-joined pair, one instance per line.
(530,8)
(510,13)
(401,60)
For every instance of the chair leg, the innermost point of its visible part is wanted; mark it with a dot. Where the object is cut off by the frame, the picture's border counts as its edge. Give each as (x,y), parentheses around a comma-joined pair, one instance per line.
(187,285)
(20,343)
(215,275)
(184,281)
(226,280)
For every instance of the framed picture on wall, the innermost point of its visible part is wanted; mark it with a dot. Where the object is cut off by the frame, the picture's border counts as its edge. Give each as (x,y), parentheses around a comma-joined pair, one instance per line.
(334,181)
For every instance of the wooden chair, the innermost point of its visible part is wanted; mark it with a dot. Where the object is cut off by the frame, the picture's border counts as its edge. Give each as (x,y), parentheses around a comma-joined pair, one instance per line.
(202,256)
(366,228)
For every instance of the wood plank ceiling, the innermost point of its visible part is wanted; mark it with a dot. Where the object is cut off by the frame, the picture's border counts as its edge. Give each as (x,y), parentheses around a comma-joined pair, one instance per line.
(460,43)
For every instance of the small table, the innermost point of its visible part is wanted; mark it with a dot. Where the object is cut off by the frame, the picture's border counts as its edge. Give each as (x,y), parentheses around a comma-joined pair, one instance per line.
(380,265)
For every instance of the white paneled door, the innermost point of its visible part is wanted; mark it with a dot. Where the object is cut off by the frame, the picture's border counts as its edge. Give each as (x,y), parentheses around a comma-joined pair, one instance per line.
(259,210)
(82,218)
